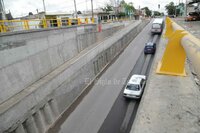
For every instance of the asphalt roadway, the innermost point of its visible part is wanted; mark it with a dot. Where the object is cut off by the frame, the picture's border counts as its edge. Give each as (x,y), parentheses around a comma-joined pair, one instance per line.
(104,109)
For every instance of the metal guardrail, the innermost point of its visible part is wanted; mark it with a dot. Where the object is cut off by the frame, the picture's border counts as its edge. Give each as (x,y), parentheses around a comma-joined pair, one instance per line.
(19,25)
(180,44)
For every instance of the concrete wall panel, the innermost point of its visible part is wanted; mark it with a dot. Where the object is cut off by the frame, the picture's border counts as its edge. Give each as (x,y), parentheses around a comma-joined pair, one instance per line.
(57,79)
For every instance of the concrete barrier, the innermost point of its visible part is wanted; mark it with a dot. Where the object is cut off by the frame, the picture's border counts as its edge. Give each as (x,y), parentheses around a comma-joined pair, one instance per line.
(180,42)
(192,48)
(191,45)
(26,57)
(173,60)
(65,65)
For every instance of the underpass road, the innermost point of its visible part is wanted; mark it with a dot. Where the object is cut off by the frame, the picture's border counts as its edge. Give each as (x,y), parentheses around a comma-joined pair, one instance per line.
(90,114)
(120,117)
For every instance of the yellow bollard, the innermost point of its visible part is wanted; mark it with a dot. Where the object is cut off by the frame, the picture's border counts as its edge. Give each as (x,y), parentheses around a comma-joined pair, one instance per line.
(59,22)
(86,20)
(79,21)
(44,23)
(4,28)
(69,22)
(173,60)
(93,20)
(169,28)
(1,28)
(26,25)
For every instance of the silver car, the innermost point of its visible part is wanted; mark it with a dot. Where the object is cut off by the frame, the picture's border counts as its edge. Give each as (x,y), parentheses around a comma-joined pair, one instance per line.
(135,86)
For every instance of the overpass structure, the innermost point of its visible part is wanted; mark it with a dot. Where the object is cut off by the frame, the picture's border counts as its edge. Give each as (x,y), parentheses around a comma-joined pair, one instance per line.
(45,75)
(44,71)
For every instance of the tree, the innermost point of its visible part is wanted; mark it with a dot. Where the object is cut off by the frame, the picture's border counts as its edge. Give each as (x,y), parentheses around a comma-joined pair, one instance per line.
(107,8)
(147,11)
(30,13)
(177,12)
(121,14)
(180,9)
(156,13)
(122,2)
(79,12)
(129,8)
(170,8)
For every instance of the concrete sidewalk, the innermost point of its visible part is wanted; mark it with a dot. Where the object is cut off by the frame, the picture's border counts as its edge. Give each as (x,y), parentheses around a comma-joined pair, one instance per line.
(192,26)
(170,104)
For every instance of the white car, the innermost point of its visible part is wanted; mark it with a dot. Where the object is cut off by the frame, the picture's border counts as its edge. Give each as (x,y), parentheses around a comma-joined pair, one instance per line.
(135,86)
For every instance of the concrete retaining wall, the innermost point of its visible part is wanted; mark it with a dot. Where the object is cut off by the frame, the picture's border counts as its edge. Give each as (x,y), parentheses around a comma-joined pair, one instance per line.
(37,88)
(29,56)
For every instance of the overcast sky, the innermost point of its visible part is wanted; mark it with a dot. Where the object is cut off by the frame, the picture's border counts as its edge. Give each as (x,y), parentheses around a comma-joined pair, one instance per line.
(23,7)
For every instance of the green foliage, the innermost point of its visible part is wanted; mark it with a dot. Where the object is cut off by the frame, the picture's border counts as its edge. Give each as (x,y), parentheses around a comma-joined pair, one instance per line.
(129,8)
(156,13)
(107,8)
(180,9)
(173,9)
(170,8)
(178,12)
(147,11)
(121,14)
(122,2)
(79,12)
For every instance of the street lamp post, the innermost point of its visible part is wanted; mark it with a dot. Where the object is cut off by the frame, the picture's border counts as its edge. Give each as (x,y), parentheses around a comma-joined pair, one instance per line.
(44,6)
(86,5)
(75,9)
(92,9)
(186,8)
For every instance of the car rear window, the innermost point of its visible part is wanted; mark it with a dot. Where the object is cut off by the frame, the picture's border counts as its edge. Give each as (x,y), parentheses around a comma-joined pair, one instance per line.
(156,26)
(132,87)
(149,46)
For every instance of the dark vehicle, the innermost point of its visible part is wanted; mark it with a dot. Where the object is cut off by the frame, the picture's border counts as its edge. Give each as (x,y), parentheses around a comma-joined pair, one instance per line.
(192,16)
(171,16)
(150,48)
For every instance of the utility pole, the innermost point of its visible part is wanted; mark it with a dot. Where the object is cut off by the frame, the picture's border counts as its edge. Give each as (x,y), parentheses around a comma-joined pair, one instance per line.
(92,9)
(86,5)
(186,8)
(44,7)
(75,9)
(175,11)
